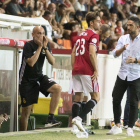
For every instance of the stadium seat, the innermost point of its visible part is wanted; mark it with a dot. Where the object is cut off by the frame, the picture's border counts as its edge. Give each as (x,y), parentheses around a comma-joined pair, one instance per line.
(65,43)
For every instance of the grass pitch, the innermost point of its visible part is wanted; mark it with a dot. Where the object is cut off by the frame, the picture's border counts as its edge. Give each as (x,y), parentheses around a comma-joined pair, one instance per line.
(62,135)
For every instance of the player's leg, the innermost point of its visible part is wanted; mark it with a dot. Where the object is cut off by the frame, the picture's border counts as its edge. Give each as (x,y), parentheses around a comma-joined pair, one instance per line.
(78,89)
(95,97)
(134,98)
(47,85)
(24,117)
(56,94)
(83,105)
(88,87)
(84,101)
(137,123)
(91,87)
(55,91)
(118,92)
(78,98)
(29,92)
(126,110)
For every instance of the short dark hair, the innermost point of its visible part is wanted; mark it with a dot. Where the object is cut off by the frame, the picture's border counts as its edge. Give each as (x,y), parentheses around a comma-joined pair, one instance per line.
(72,24)
(91,16)
(105,28)
(118,21)
(110,43)
(46,13)
(136,20)
(62,6)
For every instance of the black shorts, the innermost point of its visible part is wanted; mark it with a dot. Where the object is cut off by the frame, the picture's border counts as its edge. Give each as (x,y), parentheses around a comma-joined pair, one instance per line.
(29,90)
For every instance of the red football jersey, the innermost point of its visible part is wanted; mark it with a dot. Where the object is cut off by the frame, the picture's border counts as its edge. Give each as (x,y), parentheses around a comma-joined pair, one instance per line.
(82,63)
(73,38)
(117,30)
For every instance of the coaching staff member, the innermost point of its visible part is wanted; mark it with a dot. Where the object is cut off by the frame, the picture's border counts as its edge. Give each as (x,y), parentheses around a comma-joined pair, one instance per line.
(129,75)
(31,79)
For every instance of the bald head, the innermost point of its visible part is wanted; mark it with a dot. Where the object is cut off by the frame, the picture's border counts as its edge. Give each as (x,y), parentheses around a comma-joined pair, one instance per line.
(38,33)
(52,7)
(37,28)
(51,4)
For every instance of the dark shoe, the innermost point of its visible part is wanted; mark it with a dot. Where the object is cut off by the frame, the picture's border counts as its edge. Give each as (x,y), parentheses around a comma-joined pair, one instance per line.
(52,123)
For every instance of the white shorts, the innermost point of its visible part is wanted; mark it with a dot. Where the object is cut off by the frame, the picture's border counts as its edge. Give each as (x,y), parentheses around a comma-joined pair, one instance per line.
(83,83)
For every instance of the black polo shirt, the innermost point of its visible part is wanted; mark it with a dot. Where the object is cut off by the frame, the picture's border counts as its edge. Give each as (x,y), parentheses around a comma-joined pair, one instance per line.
(27,72)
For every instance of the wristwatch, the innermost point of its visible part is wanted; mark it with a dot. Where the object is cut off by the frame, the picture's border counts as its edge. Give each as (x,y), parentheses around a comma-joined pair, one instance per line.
(136,61)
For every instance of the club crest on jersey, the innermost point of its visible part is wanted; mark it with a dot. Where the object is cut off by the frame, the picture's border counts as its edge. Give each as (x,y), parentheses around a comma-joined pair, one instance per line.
(83,34)
(43,51)
(94,40)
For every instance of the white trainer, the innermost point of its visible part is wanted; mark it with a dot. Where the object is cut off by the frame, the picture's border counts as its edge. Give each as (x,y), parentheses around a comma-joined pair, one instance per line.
(78,122)
(75,129)
(130,132)
(114,130)
(82,134)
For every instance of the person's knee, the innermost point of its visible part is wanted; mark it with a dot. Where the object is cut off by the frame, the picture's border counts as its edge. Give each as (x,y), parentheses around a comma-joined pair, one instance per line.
(96,96)
(56,89)
(85,98)
(133,104)
(116,102)
(78,97)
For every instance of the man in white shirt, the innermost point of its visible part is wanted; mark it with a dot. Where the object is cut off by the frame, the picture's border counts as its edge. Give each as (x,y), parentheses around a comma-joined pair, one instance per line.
(129,75)
(79,5)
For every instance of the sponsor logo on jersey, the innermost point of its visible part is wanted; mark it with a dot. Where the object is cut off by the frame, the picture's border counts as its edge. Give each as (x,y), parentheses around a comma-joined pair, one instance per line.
(94,40)
(83,34)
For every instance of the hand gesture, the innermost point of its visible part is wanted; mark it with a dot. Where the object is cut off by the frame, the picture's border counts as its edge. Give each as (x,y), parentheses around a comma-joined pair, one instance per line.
(130,60)
(124,47)
(38,42)
(94,76)
(45,41)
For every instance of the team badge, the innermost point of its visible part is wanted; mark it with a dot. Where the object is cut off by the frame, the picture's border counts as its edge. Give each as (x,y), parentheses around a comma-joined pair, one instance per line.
(43,51)
(24,101)
(94,40)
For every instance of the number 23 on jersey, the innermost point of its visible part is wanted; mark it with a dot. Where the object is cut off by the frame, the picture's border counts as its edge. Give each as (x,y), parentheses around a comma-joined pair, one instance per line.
(80,47)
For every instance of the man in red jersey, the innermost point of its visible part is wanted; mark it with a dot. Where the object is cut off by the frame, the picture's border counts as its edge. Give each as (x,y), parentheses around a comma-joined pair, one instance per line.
(85,70)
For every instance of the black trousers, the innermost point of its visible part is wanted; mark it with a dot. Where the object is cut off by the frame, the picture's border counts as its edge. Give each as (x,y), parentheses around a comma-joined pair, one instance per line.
(118,92)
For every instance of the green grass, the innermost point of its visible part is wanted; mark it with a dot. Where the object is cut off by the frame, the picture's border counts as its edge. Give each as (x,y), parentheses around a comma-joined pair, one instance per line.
(100,135)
